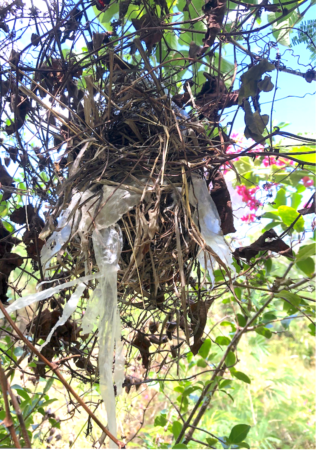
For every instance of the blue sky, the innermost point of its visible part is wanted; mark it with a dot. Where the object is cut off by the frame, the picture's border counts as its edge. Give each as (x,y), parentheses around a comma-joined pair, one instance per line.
(295,98)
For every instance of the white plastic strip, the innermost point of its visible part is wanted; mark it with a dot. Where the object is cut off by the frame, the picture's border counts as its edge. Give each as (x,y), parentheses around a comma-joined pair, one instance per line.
(107,244)
(91,313)
(69,308)
(210,224)
(33,298)
(119,357)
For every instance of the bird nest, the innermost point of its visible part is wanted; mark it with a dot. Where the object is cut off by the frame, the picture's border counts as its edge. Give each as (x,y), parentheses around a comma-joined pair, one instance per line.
(139,141)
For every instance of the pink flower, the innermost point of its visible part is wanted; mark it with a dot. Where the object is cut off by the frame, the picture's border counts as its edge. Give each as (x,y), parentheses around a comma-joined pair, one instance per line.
(249,218)
(280,162)
(307,181)
(248,196)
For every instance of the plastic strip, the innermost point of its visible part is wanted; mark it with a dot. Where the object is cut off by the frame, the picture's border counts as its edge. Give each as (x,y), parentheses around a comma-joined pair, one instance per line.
(28,300)
(69,308)
(210,224)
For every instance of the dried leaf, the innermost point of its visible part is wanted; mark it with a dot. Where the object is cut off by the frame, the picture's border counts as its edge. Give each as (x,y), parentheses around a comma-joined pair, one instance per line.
(195,51)
(153,327)
(150,37)
(216,11)
(252,77)
(266,85)
(35,39)
(202,309)
(158,340)
(222,200)
(255,123)
(268,241)
(23,214)
(13,152)
(143,344)
(124,5)
(8,263)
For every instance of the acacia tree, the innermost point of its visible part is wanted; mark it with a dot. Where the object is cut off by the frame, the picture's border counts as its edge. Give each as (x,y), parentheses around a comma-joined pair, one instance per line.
(114,158)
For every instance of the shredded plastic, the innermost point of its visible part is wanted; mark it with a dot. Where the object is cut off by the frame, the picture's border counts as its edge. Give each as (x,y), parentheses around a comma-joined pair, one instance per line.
(92,312)
(56,241)
(114,201)
(69,308)
(88,212)
(107,244)
(210,223)
(28,300)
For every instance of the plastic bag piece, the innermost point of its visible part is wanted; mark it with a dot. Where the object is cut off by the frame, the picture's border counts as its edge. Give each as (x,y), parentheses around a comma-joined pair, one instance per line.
(115,203)
(209,221)
(28,300)
(92,312)
(69,308)
(119,357)
(56,241)
(107,244)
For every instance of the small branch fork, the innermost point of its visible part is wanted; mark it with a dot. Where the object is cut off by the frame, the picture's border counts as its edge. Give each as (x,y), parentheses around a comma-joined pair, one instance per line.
(53,367)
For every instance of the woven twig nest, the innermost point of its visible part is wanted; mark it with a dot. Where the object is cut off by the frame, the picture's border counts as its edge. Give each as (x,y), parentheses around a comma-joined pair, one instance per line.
(141,142)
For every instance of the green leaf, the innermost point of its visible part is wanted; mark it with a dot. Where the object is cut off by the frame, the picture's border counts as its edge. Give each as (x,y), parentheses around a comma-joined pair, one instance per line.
(222,340)
(179,446)
(294,299)
(312,328)
(106,17)
(271,214)
(241,320)
(189,356)
(270,225)
(176,428)
(161,420)
(211,441)
(48,385)
(289,215)
(264,332)
(189,390)
(230,359)
(225,383)
(179,389)
(205,348)
(282,28)
(201,363)
(243,445)
(48,402)
(280,199)
(311,157)
(306,251)
(239,433)
(296,200)
(268,317)
(22,393)
(307,266)
(241,376)
(226,66)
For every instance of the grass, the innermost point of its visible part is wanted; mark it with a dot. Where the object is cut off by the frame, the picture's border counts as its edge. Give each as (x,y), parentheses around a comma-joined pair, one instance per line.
(279,404)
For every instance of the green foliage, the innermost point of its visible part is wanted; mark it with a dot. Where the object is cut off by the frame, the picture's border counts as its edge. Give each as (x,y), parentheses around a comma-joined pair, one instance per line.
(304,35)
(239,433)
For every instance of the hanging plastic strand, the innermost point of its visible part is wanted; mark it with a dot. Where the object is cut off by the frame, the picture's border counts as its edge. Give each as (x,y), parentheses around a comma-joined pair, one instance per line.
(107,243)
